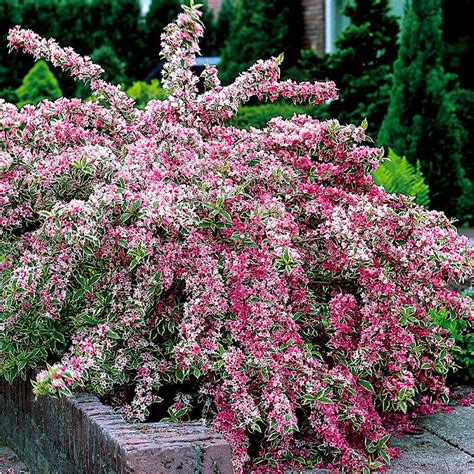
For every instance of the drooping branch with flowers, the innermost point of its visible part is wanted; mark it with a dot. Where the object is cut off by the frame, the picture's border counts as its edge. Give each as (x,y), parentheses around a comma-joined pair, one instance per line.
(259,275)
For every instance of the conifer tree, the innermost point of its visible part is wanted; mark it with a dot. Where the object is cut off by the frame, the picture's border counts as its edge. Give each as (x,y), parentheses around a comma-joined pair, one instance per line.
(209,41)
(261,29)
(421,120)
(363,62)
(224,19)
(361,66)
(114,68)
(160,13)
(10,15)
(38,84)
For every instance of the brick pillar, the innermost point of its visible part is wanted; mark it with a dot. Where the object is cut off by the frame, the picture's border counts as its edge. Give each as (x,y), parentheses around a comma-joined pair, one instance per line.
(313,25)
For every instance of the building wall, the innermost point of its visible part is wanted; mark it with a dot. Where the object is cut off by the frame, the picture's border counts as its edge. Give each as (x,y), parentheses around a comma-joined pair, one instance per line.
(322,21)
(313,25)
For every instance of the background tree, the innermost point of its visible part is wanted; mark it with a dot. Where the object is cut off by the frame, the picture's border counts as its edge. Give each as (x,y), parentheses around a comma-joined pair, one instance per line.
(458,35)
(209,44)
(128,40)
(224,18)
(363,63)
(10,15)
(38,84)
(261,29)
(114,68)
(160,13)
(421,120)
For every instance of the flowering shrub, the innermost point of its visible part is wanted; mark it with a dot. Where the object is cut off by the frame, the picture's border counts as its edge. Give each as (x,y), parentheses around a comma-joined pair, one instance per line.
(255,279)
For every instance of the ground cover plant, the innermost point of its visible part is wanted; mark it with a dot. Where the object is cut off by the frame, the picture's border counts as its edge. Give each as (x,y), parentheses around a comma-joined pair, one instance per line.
(256,279)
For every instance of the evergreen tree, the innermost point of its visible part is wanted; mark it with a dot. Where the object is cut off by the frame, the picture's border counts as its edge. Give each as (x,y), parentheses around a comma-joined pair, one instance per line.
(38,84)
(208,43)
(119,22)
(463,100)
(363,62)
(459,39)
(160,13)
(261,29)
(114,68)
(224,19)
(421,120)
(127,39)
(10,15)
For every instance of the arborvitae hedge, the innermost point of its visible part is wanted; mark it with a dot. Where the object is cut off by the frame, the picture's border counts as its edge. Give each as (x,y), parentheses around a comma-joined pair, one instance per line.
(421,120)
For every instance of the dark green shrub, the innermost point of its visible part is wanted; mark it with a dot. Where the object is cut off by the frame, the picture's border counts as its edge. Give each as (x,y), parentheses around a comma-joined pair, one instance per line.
(260,29)
(459,38)
(361,66)
(463,100)
(224,19)
(461,332)
(10,72)
(258,116)
(38,84)
(114,68)
(421,119)
(398,176)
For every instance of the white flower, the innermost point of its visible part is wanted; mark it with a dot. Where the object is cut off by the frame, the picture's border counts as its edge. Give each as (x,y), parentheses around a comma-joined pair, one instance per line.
(6,160)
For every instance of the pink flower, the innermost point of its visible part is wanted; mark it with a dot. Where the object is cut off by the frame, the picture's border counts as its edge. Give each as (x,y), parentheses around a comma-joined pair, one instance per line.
(258,277)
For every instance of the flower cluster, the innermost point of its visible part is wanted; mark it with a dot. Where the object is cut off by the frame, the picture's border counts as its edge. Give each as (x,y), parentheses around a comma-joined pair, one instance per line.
(256,279)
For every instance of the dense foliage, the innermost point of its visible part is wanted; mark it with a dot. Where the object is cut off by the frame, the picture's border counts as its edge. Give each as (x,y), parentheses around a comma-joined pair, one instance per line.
(256,279)
(421,120)
(259,115)
(461,332)
(114,32)
(398,176)
(463,100)
(224,19)
(10,78)
(37,85)
(143,92)
(458,36)
(362,63)
(261,29)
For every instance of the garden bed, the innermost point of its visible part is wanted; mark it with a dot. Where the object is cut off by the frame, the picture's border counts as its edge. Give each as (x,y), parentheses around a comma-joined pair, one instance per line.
(79,434)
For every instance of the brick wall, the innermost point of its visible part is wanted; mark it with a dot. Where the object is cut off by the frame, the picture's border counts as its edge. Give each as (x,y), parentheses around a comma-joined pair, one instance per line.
(313,25)
(79,435)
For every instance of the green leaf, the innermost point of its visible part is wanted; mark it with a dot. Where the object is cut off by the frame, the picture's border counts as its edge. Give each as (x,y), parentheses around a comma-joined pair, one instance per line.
(225,215)
(367,385)
(181,412)
(280,58)
(383,441)
(384,455)
(78,294)
(58,336)
(125,217)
